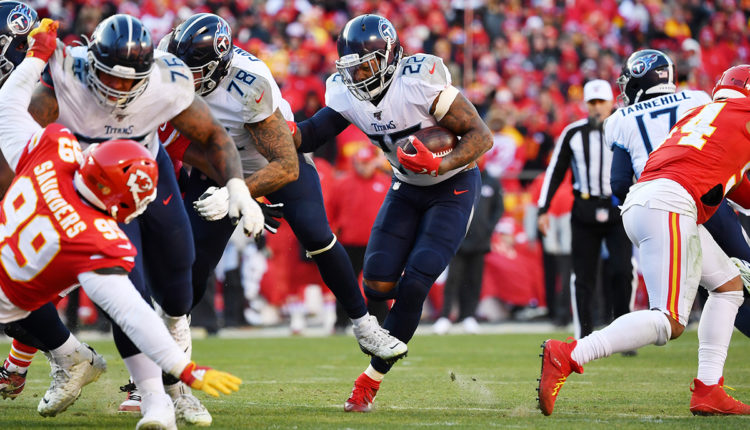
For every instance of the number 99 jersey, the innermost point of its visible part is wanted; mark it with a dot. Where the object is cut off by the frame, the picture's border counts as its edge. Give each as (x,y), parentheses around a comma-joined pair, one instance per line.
(48,235)
(641,127)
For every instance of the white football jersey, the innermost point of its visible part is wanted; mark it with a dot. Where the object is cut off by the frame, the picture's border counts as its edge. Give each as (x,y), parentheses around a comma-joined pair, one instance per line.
(404,109)
(246,95)
(169,92)
(642,127)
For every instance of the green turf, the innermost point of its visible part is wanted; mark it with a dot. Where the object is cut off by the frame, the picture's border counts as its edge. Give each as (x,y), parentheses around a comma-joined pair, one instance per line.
(478,382)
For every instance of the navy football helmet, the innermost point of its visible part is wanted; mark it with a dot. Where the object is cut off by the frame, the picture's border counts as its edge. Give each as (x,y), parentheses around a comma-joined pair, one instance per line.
(368,40)
(646,74)
(120,46)
(16,21)
(204,43)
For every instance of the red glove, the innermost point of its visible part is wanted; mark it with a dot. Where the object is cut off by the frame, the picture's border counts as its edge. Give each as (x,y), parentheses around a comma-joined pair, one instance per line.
(43,40)
(292,127)
(424,161)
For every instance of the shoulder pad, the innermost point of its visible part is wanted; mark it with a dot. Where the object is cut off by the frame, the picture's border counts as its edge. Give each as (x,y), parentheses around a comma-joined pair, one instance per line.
(172,71)
(335,91)
(425,67)
(252,90)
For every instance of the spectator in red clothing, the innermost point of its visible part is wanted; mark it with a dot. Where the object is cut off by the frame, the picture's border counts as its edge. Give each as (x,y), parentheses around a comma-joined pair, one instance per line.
(352,211)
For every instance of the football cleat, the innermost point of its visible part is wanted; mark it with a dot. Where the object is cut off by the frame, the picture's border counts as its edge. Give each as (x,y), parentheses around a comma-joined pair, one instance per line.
(11,383)
(187,407)
(132,402)
(158,413)
(363,394)
(713,400)
(556,366)
(375,341)
(67,383)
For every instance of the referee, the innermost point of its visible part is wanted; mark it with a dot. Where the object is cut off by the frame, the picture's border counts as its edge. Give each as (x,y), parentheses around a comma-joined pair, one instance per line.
(595,217)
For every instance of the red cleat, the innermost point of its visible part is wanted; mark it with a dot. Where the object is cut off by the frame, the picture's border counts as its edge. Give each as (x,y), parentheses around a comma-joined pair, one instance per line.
(713,400)
(556,366)
(11,383)
(363,394)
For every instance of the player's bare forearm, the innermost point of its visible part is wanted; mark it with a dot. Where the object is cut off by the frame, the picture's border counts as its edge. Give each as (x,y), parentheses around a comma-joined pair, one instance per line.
(476,139)
(196,157)
(274,141)
(199,126)
(43,106)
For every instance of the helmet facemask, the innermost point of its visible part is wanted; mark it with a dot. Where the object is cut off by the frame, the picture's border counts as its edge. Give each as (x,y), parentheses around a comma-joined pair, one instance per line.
(109,97)
(379,80)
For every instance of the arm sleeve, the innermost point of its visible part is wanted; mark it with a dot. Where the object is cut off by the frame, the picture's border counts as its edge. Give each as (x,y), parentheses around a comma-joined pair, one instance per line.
(323,126)
(120,300)
(555,172)
(16,123)
(621,175)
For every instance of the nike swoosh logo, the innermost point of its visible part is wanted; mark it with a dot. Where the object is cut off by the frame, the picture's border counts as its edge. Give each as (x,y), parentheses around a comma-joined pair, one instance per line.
(261,97)
(456,192)
(166,201)
(163,127)
(432,70)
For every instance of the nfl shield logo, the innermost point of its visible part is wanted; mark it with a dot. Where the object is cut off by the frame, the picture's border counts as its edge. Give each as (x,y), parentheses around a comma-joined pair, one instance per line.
(378,115)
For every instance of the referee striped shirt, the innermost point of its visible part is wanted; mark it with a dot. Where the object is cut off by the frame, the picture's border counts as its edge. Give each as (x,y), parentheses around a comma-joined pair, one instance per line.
(581,148)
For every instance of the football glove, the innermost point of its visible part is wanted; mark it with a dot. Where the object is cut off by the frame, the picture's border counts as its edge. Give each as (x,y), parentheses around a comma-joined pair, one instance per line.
(423,162)
(242,205)
(209,380)
(213,204)
(272,214)
(43,40)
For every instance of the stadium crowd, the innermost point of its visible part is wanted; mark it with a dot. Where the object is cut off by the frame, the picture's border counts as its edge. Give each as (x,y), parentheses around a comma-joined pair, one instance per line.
(522,63)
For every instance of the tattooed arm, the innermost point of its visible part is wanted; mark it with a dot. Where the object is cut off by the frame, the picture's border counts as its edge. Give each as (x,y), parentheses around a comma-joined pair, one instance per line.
(274,141)
(463,120)
(43,106)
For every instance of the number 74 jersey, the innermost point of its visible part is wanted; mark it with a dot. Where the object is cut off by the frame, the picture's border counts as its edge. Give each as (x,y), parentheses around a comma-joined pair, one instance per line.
(708,153)
(48,234)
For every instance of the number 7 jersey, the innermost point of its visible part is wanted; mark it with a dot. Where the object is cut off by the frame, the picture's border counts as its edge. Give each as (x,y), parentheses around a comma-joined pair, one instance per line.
(48,234)
(707,152)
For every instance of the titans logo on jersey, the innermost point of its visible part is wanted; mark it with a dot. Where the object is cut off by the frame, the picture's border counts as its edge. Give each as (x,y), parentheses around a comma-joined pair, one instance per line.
(404,109)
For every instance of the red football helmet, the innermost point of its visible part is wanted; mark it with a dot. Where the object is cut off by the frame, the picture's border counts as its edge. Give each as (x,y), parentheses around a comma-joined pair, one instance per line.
(733,81)
(119,177)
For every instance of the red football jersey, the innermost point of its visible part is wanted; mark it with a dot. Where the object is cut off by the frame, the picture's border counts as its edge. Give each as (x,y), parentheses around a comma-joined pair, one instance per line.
(48,235)
(707,152)
(175,144)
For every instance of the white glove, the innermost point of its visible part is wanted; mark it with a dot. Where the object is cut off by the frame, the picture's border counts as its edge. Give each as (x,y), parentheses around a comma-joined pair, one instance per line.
(241,204)
(213,204)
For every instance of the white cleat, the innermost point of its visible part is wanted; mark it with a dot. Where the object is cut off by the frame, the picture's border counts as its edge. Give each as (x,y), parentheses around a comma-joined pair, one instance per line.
(67,383)
(158,413)
(187,407)
(374,340)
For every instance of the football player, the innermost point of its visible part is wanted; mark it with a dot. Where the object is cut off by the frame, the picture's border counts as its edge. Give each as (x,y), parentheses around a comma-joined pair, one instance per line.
(651,107)
(426,212)
(60,230)
(702,160)
(115,87)
(244,97)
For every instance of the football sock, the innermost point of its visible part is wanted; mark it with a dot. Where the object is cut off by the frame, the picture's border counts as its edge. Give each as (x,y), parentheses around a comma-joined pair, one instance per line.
(72,351)
(714,333)
(336,270)
(20,356)
(357,321)
(626,333)
(374,374)
(145,373)
(45,326)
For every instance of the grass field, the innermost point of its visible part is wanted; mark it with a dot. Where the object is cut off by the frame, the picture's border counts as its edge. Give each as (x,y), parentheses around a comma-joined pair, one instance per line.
(475,382)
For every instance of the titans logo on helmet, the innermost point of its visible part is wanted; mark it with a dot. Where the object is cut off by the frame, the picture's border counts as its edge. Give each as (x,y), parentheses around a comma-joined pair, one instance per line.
(223,40)
(19,19)
(643,65)
(386,30)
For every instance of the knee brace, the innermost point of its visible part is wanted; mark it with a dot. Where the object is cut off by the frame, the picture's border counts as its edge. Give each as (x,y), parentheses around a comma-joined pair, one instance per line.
(311,254)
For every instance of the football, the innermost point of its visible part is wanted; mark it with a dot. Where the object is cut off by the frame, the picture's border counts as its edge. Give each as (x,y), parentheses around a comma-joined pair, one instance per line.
(439,140)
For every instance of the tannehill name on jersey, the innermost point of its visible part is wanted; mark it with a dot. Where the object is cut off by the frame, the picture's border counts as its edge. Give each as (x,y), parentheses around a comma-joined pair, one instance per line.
(659,101)
(65,215)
